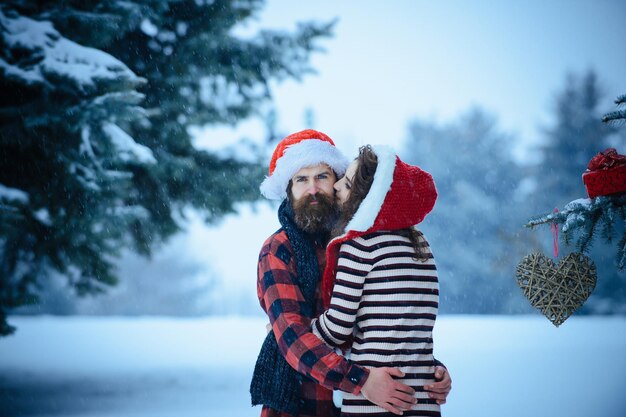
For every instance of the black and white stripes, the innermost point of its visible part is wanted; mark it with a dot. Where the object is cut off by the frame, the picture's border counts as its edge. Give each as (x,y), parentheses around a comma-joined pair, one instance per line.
(385,304)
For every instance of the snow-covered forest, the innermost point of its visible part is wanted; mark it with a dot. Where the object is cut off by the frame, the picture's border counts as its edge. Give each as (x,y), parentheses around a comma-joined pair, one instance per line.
(134,136)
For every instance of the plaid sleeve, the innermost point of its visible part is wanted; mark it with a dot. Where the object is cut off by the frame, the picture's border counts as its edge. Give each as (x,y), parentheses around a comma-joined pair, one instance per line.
(282,300)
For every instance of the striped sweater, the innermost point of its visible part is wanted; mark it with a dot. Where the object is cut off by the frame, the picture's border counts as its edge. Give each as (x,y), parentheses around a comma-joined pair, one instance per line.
(384,305)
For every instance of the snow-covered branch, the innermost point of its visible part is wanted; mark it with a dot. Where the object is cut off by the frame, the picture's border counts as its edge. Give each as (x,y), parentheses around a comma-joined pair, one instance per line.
(585,216)
(37,55)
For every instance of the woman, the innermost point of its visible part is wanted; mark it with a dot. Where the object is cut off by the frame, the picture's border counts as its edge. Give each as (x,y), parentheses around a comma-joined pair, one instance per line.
(385,296)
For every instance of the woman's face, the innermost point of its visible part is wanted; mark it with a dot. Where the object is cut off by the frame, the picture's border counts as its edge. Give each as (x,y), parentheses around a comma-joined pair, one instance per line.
(343,186)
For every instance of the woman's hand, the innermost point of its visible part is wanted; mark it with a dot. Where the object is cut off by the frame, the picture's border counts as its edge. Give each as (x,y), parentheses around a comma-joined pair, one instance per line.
(439,390)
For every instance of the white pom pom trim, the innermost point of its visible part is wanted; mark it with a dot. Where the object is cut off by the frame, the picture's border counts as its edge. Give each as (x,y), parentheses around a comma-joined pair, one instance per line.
(372,203)
(306,153)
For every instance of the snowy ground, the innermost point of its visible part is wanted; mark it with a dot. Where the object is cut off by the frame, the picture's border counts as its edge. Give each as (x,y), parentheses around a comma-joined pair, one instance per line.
(123,367)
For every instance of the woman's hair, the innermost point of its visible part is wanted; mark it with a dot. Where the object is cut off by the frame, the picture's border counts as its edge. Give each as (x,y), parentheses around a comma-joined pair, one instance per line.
(367,162)
(418,241)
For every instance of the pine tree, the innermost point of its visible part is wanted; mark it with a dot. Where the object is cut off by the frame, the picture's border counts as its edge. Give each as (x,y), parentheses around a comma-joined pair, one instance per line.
(575,137)
(593,225)
(95,150)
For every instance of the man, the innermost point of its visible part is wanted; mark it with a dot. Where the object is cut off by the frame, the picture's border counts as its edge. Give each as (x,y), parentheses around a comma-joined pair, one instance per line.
(296,372)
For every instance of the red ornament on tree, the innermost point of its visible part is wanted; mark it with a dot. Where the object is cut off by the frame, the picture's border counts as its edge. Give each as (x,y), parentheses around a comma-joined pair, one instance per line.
(605,174)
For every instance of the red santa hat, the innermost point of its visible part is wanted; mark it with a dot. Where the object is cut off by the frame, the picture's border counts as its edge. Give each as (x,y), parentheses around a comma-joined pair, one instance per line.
(401,196)
(296,151)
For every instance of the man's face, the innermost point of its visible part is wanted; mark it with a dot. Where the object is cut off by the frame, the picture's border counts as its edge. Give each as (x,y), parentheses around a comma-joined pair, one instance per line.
(313,198)
(312,181)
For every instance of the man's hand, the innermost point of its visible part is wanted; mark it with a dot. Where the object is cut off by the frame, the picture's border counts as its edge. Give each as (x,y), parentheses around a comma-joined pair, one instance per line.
(381,389)
(440,389)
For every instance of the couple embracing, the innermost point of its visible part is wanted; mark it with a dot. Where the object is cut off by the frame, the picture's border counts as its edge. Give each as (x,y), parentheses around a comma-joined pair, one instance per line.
(347,272)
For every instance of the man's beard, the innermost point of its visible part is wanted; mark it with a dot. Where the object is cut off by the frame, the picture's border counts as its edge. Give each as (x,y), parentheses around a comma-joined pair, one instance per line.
(315,218)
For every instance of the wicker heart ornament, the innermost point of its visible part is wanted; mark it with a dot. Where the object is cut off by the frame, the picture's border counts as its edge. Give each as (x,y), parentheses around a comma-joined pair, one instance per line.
(556,290)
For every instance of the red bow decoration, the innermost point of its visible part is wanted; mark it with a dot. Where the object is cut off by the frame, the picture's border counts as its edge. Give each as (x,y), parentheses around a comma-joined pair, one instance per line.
(607,159)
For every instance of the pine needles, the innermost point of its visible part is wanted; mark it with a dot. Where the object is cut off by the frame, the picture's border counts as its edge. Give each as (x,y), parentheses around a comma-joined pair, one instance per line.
(617,116)
(582,219)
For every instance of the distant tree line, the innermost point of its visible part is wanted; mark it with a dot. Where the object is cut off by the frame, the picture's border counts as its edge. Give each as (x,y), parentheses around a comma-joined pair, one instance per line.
(486,196)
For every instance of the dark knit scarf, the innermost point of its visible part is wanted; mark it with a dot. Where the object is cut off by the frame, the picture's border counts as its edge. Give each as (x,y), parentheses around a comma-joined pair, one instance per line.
(274,382)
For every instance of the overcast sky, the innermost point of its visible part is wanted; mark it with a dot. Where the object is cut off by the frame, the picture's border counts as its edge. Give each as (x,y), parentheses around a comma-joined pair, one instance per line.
(395,60)
(392,61)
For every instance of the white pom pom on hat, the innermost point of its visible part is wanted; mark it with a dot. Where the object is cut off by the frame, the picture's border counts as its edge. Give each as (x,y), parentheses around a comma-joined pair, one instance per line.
(300,150)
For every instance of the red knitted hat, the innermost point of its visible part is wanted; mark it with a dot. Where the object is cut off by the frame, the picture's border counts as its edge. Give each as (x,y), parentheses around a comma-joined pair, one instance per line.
(296,151)
(401,196)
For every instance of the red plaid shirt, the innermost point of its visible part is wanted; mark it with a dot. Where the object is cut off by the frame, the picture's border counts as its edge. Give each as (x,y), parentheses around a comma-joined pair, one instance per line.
(281,299)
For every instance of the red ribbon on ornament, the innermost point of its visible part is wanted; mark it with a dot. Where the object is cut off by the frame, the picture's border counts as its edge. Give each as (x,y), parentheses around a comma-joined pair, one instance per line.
(555,236)
(607,159)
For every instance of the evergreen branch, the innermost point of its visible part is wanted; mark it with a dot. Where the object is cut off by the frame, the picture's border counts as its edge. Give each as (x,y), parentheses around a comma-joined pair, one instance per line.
(608,225)
(587,233)
(617,116)
(584,216)
(614,116)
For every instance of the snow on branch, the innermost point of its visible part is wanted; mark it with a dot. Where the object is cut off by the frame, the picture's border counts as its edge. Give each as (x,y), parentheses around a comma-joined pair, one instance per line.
(127,148)
(585,217)
(10,201)
(37,55)
(13,194)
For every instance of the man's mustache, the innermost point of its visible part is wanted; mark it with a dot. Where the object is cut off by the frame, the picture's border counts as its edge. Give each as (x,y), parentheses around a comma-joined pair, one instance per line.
(319,197)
